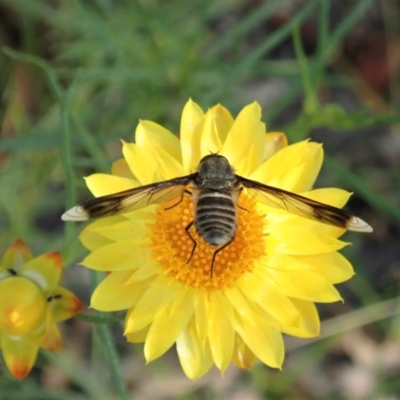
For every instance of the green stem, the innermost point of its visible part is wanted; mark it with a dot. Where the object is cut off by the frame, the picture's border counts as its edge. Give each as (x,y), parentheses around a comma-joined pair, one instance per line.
(108,346)
(66,158)
(100,320)
(311,102)
(317,69)
(66,161)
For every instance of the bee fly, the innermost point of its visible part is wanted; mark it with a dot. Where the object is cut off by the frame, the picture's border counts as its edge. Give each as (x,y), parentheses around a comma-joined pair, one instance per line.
(214,189)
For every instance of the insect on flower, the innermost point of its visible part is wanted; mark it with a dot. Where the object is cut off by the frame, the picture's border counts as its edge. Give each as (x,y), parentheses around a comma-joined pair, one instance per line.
(214,189)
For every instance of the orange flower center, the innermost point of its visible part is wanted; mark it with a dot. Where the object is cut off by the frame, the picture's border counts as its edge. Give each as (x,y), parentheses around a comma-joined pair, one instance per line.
(173,247)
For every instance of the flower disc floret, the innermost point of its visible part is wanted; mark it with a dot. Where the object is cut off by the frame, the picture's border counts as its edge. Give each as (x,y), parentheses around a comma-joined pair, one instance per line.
(173,246)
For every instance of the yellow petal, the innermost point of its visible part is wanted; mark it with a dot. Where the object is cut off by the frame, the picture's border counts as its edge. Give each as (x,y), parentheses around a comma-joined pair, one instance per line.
(22,306)
(168,324)
(64,304)
(115,294)
(195,358)
(190,134)
(45,270)
(332,266)
(210,141)
(248,162)
(157,297)
(294,236)
(15,256)
(19,356)
(151,137)
(137,336)
(145,214)
(289,223)
(37,335)
(201,316)
(162,147)
(245,140)
(274,141)
(53,340)
(261,335)
(93,240)
(145,272)
(332,196)
(143,167)
(269,297)
(335,267)
(121,168)
(263,338)
(220,332)
(118,256)
(103,184)
(243,357)
(167,166)
(136,229)
(304,285)
(290,179)
(278,169)
(308,325)
(223,120)
(239,302)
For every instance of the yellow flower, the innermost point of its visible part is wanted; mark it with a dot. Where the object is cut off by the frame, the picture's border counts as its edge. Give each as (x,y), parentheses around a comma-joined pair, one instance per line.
(31,302)
(263,284)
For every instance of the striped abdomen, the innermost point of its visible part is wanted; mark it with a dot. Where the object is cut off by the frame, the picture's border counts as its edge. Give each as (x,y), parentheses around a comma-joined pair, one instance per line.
(215,217)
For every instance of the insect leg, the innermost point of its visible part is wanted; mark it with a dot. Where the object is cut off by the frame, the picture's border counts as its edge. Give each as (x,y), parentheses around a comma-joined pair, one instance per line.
(215,255)
(180,200)
(236,199)
(191,238)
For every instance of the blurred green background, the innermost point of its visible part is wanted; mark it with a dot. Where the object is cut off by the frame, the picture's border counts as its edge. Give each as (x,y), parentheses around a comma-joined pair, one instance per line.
(76,76)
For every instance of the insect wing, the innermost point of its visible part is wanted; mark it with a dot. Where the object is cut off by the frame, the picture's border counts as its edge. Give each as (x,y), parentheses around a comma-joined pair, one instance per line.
(128,200)
(302,206)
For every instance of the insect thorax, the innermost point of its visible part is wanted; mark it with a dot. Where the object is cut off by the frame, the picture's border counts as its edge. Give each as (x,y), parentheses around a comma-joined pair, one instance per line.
(215,173)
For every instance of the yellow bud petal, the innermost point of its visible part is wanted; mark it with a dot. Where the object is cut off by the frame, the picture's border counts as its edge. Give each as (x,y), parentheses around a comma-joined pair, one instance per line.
(22,306)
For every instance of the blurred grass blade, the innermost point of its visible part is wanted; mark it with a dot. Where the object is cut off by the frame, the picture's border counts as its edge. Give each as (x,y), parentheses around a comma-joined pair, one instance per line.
(310,103)
(92,146)
(362,189)
(249,22)
(344,27)
(245,65)
(78,374)
(40,63)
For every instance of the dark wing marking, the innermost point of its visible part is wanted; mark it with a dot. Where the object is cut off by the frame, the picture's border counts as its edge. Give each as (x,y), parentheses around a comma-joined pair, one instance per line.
(128,200)
(303,206)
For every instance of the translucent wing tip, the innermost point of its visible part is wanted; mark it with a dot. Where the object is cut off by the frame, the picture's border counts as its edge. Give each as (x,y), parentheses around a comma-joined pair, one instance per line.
(358,225)
(77,213)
